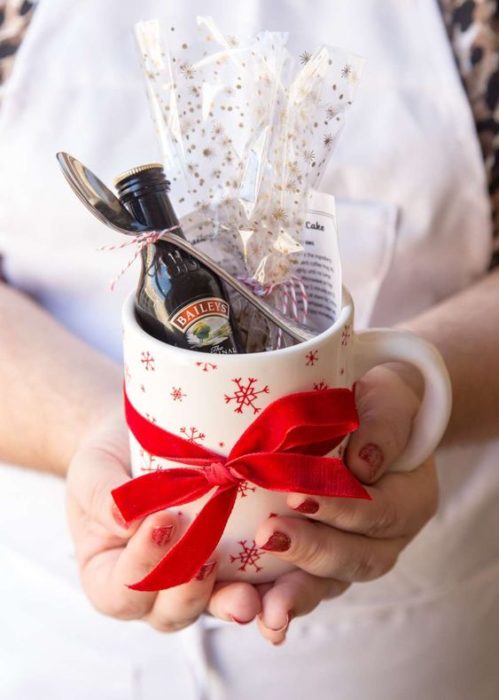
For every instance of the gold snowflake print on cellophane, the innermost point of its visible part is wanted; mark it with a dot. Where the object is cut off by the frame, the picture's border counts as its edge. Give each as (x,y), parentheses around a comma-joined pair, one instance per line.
(246,130)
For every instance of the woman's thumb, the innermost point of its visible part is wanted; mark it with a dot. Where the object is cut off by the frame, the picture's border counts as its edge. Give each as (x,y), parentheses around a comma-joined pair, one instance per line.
(385,414)
(93,475)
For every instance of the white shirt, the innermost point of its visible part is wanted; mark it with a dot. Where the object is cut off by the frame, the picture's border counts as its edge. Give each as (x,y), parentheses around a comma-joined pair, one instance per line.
(430,628)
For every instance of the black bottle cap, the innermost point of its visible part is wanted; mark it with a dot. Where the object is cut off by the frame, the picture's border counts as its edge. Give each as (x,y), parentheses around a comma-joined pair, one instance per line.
(140,180)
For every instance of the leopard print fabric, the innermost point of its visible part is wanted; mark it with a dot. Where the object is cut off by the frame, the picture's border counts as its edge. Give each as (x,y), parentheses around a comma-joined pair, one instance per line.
(473,28)
(15,16)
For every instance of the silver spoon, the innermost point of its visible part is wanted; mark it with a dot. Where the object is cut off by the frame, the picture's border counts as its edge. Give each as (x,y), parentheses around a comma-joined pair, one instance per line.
(104,205)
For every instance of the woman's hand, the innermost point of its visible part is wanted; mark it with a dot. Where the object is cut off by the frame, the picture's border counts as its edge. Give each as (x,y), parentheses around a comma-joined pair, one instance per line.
(111,555)
(347,540)
(342,541)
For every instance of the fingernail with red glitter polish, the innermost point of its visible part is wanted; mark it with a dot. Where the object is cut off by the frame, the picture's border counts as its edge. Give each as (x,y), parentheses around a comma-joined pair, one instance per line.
(373,455)
(308,506)
(205,571)
(118,517)
(277,542)
(161,535)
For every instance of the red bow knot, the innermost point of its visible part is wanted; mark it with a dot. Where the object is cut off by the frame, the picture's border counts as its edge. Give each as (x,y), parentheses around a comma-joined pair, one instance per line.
(219,474)
(282,450)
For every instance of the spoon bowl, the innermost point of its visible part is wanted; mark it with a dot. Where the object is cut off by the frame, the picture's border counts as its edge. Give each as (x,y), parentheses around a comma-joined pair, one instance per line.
(97,197)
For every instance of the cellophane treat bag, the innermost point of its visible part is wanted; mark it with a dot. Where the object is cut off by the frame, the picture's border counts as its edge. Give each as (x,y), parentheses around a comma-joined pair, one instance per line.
(247,130)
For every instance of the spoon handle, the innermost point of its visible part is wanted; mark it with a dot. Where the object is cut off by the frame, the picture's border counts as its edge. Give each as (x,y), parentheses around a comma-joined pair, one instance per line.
(104,205)
(295,330)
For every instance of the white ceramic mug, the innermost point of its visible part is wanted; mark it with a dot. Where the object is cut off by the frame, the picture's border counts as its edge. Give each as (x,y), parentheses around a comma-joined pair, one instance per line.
(211,399)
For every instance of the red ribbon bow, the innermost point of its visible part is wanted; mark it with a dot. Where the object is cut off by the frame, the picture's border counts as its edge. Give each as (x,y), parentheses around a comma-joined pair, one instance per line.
(282,450)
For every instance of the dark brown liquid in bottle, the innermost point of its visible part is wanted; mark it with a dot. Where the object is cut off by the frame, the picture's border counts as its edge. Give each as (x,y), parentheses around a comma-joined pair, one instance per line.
(178,300)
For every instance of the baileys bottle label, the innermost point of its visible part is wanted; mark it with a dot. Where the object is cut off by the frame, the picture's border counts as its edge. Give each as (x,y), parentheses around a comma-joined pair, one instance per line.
(203,322)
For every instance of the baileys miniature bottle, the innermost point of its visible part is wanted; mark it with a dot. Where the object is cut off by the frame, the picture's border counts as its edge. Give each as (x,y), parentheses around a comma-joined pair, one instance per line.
(178,300)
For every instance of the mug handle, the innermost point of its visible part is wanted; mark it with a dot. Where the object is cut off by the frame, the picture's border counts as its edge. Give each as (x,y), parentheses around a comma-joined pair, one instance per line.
(376,347)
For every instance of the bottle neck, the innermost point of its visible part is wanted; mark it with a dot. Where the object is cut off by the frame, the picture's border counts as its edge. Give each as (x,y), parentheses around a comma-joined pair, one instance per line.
(153,209)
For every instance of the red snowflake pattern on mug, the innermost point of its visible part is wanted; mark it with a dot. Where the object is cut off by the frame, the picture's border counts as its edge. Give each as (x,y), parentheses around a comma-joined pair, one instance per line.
(149,462)
(148,361)
(192,434)
(243,487)
(346,335)
(247,556)
(311,358)
(320,386)
(206,366)
(246,395)
(177,394)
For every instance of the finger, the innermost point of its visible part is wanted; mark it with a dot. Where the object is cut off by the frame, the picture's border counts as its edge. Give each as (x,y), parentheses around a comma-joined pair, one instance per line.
(93,474)
(180,606)
(106,576)
(238,602)
(401,504)
(386,416)
(324,551)
(262,588)
(293,594)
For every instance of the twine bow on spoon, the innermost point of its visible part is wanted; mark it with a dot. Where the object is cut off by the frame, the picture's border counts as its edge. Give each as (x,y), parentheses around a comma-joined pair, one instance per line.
(290,297)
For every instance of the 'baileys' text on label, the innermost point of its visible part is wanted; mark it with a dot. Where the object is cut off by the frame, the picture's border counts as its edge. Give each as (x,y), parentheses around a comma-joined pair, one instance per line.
(199,309)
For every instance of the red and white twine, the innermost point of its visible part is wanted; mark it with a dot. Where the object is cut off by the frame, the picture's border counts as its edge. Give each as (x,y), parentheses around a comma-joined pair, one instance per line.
(140,240)
(290,297)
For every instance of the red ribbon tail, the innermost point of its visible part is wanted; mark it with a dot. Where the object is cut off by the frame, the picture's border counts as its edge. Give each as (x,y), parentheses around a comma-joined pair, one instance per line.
(188,555)
(162,489)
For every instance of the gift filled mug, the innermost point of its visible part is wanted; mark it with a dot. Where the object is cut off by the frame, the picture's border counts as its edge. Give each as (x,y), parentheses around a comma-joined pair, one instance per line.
(210,400)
